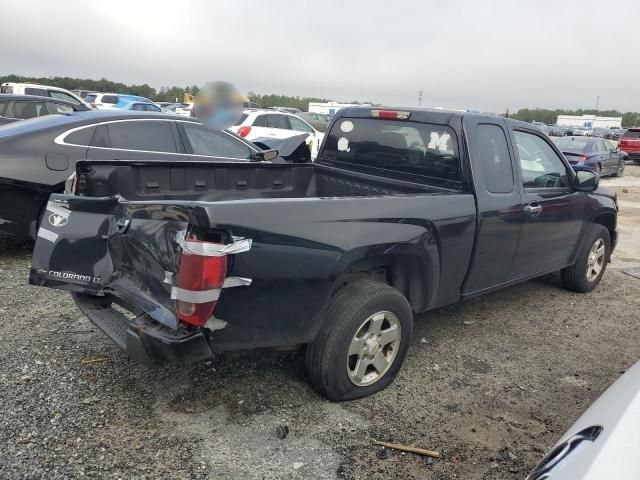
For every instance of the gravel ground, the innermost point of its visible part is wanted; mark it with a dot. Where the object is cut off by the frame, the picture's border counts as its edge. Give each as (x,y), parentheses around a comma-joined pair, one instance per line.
(491,383)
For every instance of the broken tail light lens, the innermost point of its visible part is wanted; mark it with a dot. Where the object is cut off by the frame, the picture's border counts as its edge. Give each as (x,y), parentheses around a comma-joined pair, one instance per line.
(244,131)
(199,282)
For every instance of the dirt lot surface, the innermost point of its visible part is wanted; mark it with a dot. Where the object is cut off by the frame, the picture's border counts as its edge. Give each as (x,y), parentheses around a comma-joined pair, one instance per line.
(491,383)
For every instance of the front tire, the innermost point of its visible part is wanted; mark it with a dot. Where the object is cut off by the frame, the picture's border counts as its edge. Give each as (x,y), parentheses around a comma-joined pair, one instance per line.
(591,262)
(362,343)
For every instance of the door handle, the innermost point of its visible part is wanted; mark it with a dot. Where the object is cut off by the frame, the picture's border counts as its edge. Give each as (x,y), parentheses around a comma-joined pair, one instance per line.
(533,209)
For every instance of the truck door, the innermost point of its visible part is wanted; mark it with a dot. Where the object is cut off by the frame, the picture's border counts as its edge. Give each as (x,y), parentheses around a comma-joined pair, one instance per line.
(552,211)
(499,202)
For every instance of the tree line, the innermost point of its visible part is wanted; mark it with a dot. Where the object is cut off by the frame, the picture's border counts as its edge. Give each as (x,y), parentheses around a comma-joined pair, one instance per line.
(172,94)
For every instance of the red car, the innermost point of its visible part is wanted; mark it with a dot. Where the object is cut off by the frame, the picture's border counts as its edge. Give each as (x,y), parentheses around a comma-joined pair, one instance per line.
(630,143)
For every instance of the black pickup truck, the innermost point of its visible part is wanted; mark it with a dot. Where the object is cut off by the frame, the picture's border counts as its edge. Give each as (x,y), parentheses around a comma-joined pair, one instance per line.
(404,211)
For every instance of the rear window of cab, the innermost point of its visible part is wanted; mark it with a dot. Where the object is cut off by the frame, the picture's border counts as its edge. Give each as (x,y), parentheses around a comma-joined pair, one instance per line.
(404,150)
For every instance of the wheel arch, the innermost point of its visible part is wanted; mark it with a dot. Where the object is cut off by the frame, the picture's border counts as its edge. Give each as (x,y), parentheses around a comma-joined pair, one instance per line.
(409,270)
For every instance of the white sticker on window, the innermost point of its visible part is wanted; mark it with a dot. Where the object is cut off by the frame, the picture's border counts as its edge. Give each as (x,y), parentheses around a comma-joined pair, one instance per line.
(343,144)
(439,142)
(346,126)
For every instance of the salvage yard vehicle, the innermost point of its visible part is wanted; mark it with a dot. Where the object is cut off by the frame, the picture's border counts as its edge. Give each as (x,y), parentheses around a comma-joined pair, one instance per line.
(595,153)
(630,143)
(37,156)
(277,124)
(403,212)
(42,91)
(14,108)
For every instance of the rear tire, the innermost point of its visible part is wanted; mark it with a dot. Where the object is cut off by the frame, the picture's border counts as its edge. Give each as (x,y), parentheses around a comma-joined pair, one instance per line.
(349,358)
(620,170)
(591,262)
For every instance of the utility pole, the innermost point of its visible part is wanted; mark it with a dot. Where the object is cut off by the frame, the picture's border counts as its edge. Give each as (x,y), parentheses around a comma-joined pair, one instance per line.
(419,98)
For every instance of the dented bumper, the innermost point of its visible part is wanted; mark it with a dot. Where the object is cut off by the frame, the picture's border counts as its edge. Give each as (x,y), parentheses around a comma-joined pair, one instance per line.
(144,340)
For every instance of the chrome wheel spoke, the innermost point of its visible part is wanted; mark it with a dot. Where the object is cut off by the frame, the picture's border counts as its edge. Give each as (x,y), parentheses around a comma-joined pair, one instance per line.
(380,362)
(376,323)
(357,346)
(361,369)
(389,335)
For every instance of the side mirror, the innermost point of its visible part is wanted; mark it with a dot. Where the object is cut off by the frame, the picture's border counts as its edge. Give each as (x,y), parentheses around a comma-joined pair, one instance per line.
(586,180)
(266,155)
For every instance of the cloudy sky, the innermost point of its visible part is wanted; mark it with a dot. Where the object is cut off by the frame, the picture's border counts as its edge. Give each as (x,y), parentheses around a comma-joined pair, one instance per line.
(486,55)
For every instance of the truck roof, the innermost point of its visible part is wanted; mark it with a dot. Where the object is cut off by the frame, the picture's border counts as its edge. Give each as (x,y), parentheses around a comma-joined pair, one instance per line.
(429,115)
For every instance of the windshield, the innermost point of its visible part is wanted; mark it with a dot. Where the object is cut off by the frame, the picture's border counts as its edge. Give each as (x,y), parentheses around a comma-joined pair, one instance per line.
(399,149)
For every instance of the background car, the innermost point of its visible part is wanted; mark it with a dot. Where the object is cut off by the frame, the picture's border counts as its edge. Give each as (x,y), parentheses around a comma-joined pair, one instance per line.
(293,110)
(594,153)
(614,133)
(272,123)
(106,101)
(598,132)
(319,121)
(42,91)
(630,143)
(38,155)
(14,108)
(580,131)
(558,131)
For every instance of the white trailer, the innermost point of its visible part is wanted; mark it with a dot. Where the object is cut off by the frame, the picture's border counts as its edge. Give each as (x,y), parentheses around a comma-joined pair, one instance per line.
(589,121)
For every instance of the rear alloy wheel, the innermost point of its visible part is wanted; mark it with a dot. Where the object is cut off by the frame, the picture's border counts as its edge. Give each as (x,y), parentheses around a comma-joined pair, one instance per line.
(591,262)
(373,348)
(362,343)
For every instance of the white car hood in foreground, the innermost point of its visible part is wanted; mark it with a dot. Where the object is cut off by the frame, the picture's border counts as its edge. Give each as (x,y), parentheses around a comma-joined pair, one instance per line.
(615,453)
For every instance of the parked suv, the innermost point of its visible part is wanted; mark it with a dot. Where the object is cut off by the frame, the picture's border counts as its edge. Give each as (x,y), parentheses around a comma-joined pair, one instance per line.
(14,108)
(42,91)
(108,101)
(630,143)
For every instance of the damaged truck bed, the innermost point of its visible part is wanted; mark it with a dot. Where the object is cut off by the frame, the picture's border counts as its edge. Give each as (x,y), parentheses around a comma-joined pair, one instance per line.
(177,260)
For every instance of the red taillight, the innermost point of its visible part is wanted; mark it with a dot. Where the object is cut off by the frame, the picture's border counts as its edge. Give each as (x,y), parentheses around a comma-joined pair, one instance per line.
(244,131)
(583,158)
(390,114)
(200,279)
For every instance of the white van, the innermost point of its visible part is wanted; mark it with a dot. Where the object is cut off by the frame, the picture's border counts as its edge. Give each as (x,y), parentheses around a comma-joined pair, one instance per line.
(42,91)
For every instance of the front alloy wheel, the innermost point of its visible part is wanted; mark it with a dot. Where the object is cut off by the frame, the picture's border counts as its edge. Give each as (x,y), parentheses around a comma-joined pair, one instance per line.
(596,260)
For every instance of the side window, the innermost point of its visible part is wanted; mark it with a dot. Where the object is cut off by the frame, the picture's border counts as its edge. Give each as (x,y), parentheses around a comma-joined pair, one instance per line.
(204,141)
(260,121)
(541,166)
(62,108)
(138,107)
(3,107)
(151,136)
(80,137)
(605,146)
(113,99)
(277,121)
(299,125)
(24,110)
(494,155)
(101,137)
(63,96)
(35,91)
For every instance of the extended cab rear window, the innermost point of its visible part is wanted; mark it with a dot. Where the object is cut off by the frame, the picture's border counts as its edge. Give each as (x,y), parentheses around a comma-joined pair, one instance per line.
(411,151)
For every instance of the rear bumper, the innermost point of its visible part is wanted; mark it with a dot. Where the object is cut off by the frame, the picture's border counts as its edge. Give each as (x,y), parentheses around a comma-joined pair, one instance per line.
(144,340)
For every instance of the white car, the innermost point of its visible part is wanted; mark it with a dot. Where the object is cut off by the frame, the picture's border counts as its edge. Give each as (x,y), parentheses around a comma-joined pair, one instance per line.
(42,91)
(603,443)
(272,123)
(185,111)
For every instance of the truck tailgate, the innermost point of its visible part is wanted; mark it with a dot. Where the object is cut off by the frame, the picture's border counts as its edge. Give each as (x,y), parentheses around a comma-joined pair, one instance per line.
(80,248)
